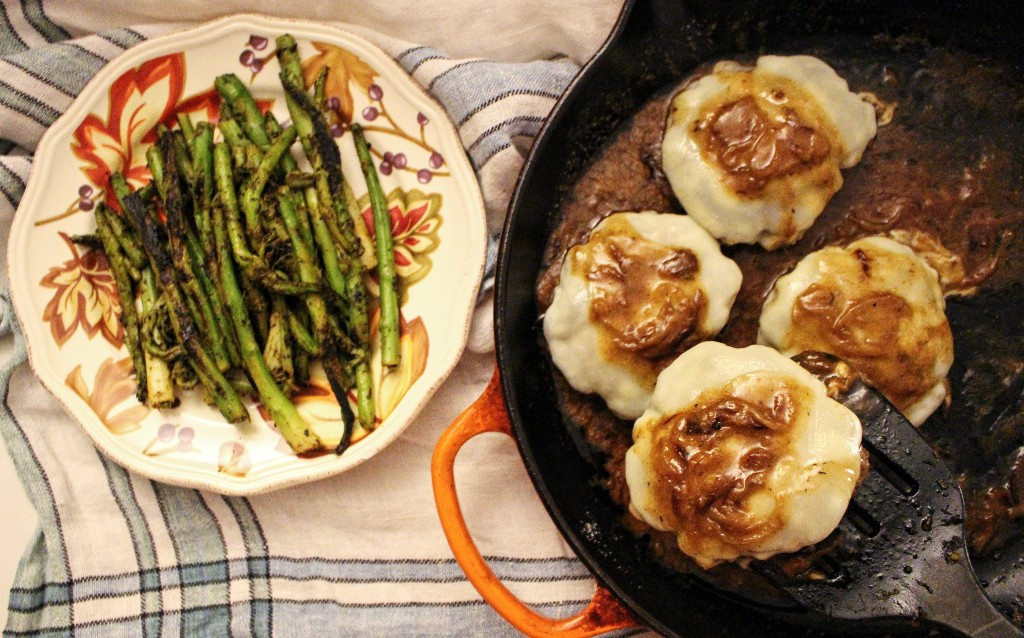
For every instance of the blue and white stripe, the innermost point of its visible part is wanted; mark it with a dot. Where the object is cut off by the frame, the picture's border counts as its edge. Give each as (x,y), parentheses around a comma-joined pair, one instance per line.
(492,103)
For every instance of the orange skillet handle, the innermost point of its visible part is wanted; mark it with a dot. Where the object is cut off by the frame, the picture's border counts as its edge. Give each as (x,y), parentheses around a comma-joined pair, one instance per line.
(487,414)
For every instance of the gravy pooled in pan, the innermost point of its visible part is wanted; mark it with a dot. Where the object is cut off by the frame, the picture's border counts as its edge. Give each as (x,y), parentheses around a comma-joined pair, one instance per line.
(944,175)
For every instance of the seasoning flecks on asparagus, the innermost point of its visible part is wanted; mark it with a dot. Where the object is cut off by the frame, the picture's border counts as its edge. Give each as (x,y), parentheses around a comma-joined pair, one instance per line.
(129,317)
(387,279)
(286,417)
(216,383)
(236,269)
(239,101)
(326,333)
(331,223)
(197,296)
(159,385)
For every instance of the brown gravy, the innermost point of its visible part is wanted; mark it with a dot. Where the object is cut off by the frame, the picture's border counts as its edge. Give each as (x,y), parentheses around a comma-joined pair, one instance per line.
(703,489)
(622,270)
(884,337)
(753,149)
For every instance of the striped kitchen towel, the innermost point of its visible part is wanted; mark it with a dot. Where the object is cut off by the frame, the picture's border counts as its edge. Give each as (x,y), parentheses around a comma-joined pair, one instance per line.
(359,554)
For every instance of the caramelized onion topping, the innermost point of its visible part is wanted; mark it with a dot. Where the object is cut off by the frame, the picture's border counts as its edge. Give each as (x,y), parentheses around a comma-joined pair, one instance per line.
(753,148)
(864,331)
(711,459)
(644,296)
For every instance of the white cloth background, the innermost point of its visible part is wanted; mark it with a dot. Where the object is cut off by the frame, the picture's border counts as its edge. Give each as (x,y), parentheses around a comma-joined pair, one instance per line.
(509,31)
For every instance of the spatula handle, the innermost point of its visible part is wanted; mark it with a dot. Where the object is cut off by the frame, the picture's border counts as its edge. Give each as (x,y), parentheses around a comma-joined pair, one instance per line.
(999,628)
(960,603)
(985,622)
(982,621)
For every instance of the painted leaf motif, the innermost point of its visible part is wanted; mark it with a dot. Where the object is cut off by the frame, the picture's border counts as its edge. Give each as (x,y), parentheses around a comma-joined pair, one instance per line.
(207,103)
(415,346)
(427,228)
(139,99)
(344,68)
(233,458)
(85,296)
(407,223)
(114,383)
(415,221)
(318,406)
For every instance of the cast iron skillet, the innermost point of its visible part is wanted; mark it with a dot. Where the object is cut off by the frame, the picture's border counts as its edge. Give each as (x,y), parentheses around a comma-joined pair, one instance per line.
(656,43)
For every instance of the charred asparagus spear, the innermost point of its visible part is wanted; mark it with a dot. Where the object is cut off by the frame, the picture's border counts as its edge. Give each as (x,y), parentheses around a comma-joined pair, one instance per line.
(288,420)
(198,299)
(386,277)
(221,392)
(159,385)
(125,292)
(333,228)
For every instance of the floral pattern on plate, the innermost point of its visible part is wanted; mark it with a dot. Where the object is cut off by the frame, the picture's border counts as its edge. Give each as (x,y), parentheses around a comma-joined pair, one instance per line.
(112,385)
(142,97)
(85,296)
(415,222)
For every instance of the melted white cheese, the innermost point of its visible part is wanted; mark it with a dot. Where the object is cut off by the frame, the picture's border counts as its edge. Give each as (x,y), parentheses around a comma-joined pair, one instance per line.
(809,486)
(574,340)
(788,206)
(873,266)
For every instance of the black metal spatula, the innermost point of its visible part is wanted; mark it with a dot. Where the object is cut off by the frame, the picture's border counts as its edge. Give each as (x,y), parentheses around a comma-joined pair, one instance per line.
(905,526)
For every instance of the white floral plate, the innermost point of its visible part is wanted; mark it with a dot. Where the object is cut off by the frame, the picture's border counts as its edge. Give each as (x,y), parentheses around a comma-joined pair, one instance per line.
(65,296)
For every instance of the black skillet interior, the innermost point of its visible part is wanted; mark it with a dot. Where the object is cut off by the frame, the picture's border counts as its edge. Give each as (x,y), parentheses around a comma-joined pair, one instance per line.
(657,43)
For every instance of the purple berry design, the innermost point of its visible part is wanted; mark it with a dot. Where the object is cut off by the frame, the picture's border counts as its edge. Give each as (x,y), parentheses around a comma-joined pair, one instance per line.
(424,176)
(370,113)
(257,65)
(375,92)
(334,103)
(399,160)
(385,168)
(247,57)
(185,437)
(421,119)
(436,160)
(337,130)
(165,432)
(257,42)
(85,205)
(85,191)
